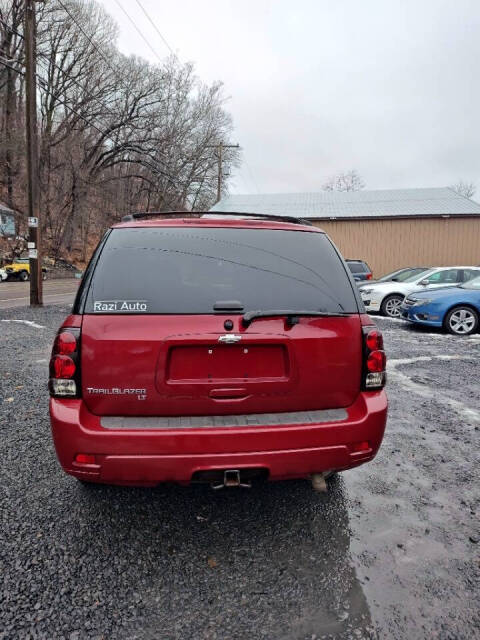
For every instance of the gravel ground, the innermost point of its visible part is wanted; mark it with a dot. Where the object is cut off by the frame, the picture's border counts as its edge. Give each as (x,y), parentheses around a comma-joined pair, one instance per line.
(390,552)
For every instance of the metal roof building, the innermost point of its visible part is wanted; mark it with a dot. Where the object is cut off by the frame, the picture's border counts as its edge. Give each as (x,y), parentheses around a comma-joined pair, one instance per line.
(387,228)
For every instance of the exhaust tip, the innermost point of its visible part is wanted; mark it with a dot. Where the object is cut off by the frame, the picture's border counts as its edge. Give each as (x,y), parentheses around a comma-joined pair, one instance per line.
(319,482)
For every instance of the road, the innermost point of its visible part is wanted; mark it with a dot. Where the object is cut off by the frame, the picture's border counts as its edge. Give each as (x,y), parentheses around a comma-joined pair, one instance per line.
(17,294)
(391,552)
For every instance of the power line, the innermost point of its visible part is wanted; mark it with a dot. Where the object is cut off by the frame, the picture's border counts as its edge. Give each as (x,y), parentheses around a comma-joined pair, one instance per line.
(106,136)
(77,83)
(47,57)
(88,122)
(44,55)
(138,31)
(173,53)
(44,85)
(105,59)
(156,29)
(95,46)
(47,90)
(70,108)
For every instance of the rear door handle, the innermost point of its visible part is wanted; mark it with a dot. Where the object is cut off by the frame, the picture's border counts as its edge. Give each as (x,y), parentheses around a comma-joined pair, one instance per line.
(228,393)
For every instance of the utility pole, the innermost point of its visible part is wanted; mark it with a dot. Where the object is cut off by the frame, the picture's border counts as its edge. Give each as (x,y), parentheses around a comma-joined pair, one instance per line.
(219,176)
(220,147)
(34,244)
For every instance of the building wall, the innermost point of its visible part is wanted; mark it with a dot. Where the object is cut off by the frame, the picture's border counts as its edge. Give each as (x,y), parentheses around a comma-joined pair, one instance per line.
(391,244)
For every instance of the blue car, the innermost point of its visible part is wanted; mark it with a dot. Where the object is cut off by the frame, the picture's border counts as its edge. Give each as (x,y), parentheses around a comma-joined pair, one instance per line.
(456,309)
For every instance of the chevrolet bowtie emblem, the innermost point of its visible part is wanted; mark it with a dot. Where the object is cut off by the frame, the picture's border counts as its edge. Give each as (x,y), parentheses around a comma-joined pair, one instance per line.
(229,338)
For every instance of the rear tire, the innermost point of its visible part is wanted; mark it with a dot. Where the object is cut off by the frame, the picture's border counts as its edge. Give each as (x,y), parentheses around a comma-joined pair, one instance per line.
(23,276)
(390,307)
(461,321)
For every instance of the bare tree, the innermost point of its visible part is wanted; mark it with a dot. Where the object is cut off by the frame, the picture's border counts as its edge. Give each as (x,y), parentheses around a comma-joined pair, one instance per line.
(345,181)
(463,188)
(11,82)
(116,133)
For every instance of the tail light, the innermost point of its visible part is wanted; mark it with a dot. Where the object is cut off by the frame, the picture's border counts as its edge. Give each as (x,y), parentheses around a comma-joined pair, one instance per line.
(84,458)
(369,276)
(64,379)
(374,359)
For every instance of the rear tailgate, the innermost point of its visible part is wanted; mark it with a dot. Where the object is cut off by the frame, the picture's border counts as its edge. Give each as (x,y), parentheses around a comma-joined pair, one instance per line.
(176,365)
(154,333)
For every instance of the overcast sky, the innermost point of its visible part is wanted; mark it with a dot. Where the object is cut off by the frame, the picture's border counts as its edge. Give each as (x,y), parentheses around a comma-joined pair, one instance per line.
(388,87)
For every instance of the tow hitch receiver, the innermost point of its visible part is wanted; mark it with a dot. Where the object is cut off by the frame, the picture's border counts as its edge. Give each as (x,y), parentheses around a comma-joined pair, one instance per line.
(231,478)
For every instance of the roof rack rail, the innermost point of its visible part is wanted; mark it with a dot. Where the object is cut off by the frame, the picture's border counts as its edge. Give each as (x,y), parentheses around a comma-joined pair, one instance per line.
(198,214)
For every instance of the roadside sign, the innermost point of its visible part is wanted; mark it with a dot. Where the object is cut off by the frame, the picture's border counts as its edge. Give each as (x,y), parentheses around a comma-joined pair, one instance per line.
(33,253)
(33,222)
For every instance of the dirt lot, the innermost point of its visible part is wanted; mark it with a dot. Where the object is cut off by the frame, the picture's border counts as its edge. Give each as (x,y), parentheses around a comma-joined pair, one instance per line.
(392,551)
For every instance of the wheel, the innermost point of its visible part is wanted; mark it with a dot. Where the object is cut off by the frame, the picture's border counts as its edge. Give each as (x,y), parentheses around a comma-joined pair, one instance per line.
(23,276)
(461,321)
(390,307)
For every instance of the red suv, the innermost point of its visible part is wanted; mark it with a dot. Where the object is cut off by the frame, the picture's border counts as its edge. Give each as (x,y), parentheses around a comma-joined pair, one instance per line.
(217,349)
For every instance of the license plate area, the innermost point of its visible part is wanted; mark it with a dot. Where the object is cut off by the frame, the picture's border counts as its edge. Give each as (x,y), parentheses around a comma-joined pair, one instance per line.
(220,363)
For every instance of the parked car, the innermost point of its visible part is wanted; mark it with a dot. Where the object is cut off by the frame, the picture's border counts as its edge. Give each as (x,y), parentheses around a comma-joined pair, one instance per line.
(387,297)
(360,269)
(402,274)
(456,309)
(60,268)
(194,355)
(20,269)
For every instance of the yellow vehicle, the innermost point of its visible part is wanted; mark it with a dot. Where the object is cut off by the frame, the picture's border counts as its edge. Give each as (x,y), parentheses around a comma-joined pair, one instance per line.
(20,269)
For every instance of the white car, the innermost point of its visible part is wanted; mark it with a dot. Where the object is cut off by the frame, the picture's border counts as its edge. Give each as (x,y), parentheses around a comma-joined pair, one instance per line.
(3,275)
(387,297)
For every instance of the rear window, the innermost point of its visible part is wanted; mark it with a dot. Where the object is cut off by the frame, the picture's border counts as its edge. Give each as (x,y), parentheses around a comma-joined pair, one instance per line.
(188,270)
(357,267)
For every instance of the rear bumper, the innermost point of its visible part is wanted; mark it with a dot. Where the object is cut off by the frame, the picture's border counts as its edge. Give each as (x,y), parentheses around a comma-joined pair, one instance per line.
(146,457)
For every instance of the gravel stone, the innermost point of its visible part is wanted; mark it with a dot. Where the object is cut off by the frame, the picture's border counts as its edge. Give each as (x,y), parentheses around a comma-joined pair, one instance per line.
(285,562)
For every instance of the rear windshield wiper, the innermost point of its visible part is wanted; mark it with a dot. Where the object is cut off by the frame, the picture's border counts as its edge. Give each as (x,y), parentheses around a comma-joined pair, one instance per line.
(291,315)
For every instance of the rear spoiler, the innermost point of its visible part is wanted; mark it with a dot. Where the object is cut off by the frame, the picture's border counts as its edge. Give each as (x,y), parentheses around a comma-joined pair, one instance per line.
(222,214)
